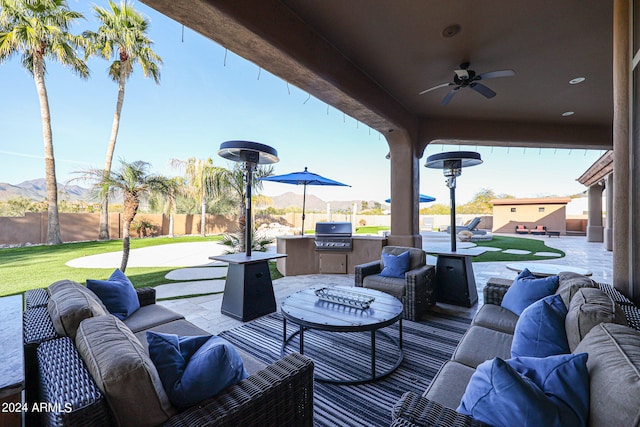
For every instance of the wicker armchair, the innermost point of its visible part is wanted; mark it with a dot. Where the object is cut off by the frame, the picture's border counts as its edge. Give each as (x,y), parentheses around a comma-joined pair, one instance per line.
(416,290)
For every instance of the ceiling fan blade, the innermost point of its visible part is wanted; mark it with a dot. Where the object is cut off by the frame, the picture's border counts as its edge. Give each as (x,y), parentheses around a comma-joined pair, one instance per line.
(495,74)
(482,90)
(435,87)
(447,98)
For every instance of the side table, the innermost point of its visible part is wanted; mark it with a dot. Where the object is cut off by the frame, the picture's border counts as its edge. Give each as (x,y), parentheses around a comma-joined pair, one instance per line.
(12,366)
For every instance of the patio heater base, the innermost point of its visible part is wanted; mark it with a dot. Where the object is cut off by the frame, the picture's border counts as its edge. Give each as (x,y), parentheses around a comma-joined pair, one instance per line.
(248,290)
(455,283)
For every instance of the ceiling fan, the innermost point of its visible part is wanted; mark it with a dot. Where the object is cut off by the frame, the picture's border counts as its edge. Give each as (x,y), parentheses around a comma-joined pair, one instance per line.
(464,77)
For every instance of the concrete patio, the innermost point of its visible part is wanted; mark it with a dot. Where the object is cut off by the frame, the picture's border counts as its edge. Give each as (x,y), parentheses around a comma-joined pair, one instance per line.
(204,311)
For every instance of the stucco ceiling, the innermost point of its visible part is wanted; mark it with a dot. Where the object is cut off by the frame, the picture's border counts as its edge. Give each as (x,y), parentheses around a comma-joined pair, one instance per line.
(371,58)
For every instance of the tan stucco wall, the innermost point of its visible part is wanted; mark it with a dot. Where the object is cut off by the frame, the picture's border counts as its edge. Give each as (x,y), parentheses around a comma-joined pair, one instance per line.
(75,227)
(553,217)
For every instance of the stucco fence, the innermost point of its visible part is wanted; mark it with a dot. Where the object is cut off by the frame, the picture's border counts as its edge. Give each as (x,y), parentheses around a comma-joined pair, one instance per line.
(74,227)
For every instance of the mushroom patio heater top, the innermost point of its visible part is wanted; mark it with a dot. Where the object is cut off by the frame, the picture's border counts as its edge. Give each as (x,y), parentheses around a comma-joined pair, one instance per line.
(451,164)
(250,154)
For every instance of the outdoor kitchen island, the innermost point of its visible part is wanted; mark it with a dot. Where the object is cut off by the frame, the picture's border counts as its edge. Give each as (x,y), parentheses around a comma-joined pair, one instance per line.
(303,258)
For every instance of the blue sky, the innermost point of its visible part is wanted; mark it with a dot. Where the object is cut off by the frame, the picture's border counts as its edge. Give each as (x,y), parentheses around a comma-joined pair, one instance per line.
(206,97)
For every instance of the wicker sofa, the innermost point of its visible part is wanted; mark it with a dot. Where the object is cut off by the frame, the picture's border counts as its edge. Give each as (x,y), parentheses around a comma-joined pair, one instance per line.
(600,321)
(70,374)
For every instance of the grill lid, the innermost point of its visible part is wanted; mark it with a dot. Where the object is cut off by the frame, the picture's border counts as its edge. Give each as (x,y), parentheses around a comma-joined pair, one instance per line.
(333,229)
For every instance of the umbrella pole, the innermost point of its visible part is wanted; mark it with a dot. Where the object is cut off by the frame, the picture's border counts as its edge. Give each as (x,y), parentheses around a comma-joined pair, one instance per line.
(304,201)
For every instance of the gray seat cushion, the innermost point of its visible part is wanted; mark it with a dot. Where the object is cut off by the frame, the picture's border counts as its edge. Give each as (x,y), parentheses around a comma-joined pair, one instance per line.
(495,317)
(123,372)
(590,307)
(449,384)
(149,316)
(391,285)
(614,371)
(479,344)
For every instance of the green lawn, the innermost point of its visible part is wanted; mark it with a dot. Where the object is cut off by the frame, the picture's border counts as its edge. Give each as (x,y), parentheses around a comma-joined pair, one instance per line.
(371,229)
(32,267)
(505,242)
(38,266)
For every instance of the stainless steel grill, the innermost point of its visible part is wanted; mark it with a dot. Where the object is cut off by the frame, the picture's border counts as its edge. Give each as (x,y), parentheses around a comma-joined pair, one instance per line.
(333,236)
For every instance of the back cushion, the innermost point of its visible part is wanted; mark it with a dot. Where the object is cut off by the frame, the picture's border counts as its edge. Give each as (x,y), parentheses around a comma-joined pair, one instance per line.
(589,307)
(614,371)
(417,257)
(123,371)
(570,282)
(69,304)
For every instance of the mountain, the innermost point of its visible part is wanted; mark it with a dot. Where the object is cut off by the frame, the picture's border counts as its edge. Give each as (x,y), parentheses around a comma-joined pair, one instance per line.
(36,189)
(314,203)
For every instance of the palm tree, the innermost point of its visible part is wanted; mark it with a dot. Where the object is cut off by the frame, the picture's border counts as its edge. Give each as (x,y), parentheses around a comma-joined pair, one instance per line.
(39,30)
(122,34)
(168,200)
(203,181)
(135,183)
(233,182)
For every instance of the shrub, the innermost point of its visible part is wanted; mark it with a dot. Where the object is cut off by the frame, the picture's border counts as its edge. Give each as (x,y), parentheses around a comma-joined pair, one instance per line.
(142,227)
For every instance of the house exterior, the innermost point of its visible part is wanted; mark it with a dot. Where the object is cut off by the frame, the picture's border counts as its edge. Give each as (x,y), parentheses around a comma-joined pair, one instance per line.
(375,62)
(550,212)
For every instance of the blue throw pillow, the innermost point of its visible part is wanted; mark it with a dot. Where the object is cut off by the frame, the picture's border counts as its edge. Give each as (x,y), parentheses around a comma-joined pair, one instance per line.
(117,294)
(529,391)
(540,330)
(395,265)
(193,369)
(526,290)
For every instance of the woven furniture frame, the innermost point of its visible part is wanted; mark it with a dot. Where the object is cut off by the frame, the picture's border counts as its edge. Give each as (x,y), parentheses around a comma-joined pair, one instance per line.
(35,298)
(66,384)
(419,291)
(279,395)
(415,410)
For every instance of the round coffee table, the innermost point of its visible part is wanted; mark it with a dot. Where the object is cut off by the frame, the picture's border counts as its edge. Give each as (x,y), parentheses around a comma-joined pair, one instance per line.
(307,311)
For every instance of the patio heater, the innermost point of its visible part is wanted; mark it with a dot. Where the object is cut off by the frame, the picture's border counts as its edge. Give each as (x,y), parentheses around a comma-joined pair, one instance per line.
(455,282)
(250,154)
(451,164)
(248,290)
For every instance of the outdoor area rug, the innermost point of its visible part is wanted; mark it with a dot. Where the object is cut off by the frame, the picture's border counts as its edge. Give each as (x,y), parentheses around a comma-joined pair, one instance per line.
(426,344)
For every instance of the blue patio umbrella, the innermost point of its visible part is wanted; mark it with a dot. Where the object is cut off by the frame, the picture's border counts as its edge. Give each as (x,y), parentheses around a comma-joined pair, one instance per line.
(423,199)
(303,178)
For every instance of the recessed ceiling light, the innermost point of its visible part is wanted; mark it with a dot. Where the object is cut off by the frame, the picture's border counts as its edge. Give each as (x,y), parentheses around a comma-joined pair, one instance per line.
(568,113)
(577,80)
(451,30)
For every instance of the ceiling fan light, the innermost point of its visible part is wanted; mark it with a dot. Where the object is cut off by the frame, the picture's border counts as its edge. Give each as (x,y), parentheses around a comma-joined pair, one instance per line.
(568,113)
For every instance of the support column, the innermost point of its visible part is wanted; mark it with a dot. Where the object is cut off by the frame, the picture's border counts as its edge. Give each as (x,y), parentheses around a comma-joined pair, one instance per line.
(622,275)
(608,230)
(405,183)
(594,224)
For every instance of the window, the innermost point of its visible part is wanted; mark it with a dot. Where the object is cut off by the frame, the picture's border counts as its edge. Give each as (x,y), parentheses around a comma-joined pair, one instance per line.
(540,209)
(513,209)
